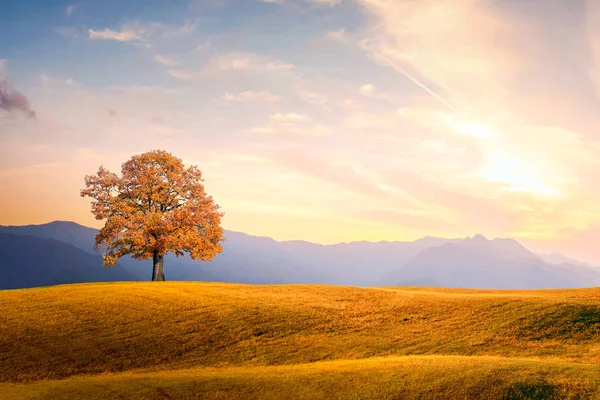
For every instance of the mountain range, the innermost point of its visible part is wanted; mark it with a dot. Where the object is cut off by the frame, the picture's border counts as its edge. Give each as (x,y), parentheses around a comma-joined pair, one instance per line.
(63,252)
(29,261)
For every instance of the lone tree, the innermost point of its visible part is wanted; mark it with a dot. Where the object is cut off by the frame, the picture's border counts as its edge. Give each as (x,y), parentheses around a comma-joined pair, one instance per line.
(157,206)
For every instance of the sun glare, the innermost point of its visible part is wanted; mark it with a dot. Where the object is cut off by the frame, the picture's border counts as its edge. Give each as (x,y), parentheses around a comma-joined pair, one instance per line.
(516,175)
(477,130)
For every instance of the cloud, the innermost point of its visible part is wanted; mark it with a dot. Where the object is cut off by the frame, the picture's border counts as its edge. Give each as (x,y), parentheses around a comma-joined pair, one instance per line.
(183,74)
(369,90)
(314,98)
(203,46)
(70,9)
(289,125)
(184,30)
(251,96)
(45,80)
(107,34)
(278,66)
(288,118)
(442,120)
(234,62)
(247,61)
(13,100)
(368,199)
(146,33)
(164,60)
(335,36)
(330,3)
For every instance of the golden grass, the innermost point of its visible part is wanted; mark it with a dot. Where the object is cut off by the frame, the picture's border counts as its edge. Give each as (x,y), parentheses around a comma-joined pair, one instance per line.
(270,341)
(409,377)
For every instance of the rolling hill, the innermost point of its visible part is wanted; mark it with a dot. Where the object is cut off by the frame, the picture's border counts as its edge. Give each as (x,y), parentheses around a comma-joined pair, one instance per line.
(232,341)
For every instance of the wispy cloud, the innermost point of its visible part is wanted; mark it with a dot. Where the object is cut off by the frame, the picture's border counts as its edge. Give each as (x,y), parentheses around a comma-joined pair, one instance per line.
(336,36)
(251,96)
(175,32)
(330,3)
(291,124)
(69,10)
(314,98)
(288,118)
(203,46)
(125,35)
(165,60)
(137,32)
(234,62)
(370,90)
(46,80)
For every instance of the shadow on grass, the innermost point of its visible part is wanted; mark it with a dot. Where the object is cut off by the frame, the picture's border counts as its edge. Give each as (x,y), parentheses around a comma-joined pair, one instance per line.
(539,390)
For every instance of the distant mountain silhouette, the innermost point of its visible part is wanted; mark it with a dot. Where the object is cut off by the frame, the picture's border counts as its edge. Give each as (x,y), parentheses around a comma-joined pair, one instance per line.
(79,236)
(500,263)
(555,259)
(474,262)
(29,261)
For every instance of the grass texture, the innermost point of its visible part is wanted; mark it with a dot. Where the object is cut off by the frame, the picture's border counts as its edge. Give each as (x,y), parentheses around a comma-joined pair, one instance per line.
(231,341)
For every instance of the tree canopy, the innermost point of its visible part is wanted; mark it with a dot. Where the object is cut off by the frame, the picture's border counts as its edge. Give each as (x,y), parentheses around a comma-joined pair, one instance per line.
(157,206)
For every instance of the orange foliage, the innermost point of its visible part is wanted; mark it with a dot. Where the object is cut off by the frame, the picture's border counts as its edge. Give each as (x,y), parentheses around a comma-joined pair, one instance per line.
(157,206)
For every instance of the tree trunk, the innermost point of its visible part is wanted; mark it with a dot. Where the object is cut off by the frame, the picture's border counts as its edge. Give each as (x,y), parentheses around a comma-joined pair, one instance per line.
(158,270)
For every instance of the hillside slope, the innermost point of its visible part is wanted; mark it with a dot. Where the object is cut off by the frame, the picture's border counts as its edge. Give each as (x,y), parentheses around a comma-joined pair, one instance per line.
(398,378)
(61,331)
(232,341)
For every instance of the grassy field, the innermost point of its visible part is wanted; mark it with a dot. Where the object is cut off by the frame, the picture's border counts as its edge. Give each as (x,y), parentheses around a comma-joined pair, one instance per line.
(227,341)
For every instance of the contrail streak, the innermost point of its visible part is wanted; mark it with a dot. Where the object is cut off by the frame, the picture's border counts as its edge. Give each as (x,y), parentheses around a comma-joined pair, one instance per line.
(404,72)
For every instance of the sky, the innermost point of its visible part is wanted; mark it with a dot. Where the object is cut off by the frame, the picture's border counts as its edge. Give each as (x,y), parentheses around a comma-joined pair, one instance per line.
(320,120)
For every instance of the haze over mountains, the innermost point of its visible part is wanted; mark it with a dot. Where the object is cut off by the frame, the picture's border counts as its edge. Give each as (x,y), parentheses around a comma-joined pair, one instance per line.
(63,252)
(29,261)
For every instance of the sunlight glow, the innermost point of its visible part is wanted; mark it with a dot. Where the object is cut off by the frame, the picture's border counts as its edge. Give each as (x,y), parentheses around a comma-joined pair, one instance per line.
(477,130)
(517,175)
